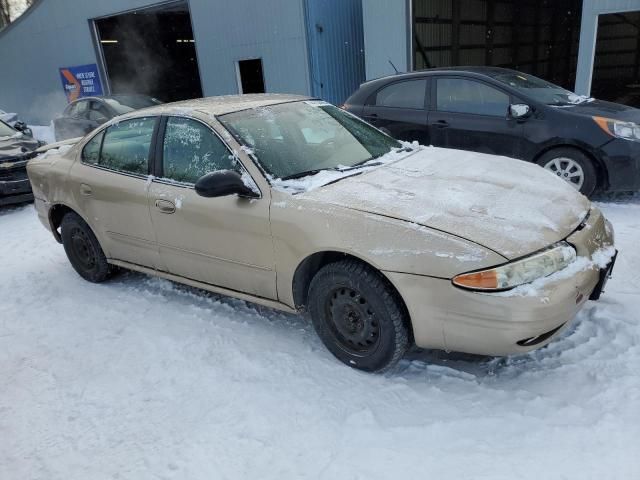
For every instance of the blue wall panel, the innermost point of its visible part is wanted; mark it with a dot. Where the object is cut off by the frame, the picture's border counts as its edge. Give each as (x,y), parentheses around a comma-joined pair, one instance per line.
(58,33)
(336,48)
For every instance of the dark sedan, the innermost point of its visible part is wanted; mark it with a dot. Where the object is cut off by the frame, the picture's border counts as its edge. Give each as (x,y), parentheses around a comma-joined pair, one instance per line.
(16,148)
(590,143)
(88,113)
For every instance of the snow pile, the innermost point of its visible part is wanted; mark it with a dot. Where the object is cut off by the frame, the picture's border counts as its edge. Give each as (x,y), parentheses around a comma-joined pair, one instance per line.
(141,378)
(43,133)
(62,149)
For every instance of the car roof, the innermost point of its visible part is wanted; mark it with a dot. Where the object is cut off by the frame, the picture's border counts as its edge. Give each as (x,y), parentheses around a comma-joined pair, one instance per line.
(217,105)
(367,88)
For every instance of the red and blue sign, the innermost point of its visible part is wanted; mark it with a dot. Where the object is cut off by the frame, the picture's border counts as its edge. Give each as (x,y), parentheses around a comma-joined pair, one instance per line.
(81,81)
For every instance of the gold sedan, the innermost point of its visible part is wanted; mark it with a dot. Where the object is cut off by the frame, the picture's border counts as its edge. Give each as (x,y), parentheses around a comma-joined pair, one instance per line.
(295,204)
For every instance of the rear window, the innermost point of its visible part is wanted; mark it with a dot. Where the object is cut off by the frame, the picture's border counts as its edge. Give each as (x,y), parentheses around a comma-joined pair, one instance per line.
(409,94)
(124,148)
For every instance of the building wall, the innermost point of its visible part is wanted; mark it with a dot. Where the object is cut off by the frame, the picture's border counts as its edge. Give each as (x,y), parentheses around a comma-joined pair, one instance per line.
(336,48)
(386,36)
(57,33)
(588,33)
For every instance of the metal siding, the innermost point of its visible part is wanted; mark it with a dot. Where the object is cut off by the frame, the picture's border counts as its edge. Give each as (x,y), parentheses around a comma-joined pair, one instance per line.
(588,32)
(54,34)
(386,31)
(336,48)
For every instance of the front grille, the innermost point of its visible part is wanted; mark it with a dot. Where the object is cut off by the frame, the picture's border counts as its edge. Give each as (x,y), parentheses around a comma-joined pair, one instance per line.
(12,175)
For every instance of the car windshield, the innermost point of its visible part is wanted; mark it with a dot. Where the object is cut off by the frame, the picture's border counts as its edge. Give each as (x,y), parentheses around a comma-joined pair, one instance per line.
(540,90)
(6,130)
(295,139)
(127,103)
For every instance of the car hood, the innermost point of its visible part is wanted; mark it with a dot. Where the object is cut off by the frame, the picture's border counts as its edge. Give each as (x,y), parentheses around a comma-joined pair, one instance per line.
(600,108)
(509,206)
(16,146)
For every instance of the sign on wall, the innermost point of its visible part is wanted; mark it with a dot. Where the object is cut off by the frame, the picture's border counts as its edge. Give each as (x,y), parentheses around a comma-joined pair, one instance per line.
(80,81)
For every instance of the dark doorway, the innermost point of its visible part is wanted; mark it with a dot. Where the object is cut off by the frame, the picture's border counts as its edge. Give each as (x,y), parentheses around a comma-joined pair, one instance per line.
(534,36)
(616,72)
(251,76)
(152,52)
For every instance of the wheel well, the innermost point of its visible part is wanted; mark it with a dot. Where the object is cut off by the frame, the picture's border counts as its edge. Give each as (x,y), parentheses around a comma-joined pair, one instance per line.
(56,214)
(313,263)
(603,174)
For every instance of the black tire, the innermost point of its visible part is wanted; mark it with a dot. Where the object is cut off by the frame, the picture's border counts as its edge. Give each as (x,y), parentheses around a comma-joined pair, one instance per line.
(560,156)
(358,316)
(83,250)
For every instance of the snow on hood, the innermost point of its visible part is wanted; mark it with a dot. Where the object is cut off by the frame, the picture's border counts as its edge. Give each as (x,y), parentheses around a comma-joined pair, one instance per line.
(510,206)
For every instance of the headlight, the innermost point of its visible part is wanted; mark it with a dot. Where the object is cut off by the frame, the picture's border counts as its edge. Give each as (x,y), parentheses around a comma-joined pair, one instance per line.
(618,128)
(519,272)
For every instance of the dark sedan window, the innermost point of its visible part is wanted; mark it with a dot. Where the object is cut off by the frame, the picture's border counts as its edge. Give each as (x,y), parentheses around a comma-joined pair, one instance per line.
(409,94)
(192,150)
(459,95)
(126,146)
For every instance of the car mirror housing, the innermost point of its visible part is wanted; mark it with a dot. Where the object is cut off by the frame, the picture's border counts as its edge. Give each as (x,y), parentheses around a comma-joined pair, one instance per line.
(519,110)
(22,127)
(223,183)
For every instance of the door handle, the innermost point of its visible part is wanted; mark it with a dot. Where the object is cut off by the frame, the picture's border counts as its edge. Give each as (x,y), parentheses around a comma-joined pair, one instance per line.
(85,190)
(441,124)
(165,206)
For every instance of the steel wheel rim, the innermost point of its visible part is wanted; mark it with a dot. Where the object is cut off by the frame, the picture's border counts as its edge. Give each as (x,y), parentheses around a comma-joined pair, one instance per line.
(352,321)
(567,169)
(83,249)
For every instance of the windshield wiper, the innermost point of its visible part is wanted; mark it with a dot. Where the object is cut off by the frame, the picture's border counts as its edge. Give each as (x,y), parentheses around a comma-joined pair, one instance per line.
(306,173)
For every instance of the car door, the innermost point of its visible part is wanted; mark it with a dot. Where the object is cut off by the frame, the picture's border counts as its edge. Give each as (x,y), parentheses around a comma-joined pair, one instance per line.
(223,241)
(110,183)
(399,109)
(469,114)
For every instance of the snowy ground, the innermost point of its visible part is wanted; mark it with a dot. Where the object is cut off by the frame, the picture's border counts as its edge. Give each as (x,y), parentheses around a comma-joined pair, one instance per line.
(141,378)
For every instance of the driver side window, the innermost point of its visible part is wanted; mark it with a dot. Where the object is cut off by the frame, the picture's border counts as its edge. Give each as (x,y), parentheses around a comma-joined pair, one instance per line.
(191,150)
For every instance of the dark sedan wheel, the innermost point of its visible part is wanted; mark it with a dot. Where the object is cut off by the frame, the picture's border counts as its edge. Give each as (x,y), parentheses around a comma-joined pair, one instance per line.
(572,166)
(83,250)
(358,316)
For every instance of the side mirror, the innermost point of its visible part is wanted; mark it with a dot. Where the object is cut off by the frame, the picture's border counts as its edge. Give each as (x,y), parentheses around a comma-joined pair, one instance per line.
(223,183)
(22,127)
(519,110)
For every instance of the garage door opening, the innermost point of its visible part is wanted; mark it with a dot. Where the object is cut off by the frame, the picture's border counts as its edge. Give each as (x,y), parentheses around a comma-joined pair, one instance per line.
(151,52)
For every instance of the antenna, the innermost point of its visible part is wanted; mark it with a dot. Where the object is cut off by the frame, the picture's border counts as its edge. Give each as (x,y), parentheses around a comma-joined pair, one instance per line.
(394,67)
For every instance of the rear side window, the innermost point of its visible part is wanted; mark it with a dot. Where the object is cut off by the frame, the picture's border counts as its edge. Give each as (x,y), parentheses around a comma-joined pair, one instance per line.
(409,94)
(126,146)
(191,150)
(459,95)
(91,151)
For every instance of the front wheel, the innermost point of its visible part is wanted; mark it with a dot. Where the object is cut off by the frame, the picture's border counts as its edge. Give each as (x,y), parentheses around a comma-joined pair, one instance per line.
(83,249)
(572,166)
(358,316)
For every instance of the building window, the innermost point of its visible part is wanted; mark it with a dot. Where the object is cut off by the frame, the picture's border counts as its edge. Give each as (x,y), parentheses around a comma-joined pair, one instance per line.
(250,76)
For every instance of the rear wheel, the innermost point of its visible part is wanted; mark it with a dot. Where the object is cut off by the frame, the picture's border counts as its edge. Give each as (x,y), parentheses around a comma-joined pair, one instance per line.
(358,316)
(572,166)
(83,249)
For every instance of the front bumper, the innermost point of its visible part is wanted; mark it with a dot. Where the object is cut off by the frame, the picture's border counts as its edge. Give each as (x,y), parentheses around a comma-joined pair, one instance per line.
(449,318)
(622,160)
(14,183)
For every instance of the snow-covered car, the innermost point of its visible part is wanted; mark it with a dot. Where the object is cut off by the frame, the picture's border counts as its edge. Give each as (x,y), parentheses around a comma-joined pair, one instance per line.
(16,148)
(8,117)
(295,204)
